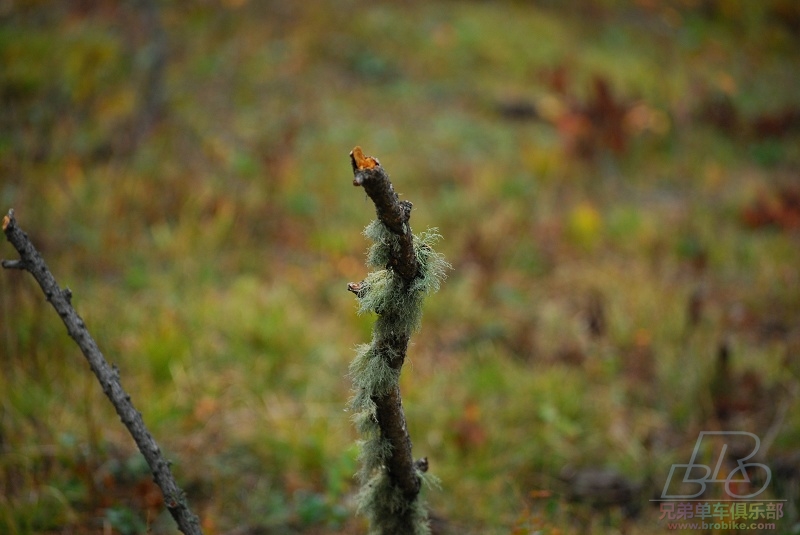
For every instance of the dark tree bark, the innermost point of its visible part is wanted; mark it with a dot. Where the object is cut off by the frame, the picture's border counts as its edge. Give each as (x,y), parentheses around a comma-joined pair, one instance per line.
(31,261)
(402,471)
(391,211)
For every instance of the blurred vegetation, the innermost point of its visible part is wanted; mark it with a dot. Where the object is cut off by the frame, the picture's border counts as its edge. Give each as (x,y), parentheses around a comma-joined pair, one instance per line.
(616,184)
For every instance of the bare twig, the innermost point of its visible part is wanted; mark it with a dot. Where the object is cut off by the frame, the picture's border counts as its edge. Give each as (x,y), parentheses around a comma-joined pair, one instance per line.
(31,261)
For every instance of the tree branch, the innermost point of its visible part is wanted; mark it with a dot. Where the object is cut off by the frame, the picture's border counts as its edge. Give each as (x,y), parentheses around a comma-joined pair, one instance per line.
(396,296)
(391,211)
(394,214)
(392,422)
(31,261)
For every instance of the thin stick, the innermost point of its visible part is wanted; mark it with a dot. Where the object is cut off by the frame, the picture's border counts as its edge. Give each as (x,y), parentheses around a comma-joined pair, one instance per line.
(108,375)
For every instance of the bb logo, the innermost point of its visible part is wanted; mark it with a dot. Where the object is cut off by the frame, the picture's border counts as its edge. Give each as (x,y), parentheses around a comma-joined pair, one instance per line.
(695,473)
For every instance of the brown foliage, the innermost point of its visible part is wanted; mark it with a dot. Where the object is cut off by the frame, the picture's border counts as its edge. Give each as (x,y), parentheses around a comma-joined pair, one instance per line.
(779,209)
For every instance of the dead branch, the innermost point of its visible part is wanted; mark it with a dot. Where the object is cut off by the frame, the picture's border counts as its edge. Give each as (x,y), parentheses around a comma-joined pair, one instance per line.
(392,212)
(406,270)
(108,375)
(369,174)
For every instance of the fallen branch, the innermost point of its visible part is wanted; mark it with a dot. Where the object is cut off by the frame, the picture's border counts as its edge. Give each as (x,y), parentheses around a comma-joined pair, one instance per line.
(31,261)
(406,270)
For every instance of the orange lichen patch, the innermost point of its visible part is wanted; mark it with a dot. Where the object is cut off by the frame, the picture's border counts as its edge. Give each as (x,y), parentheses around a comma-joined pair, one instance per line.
(6,221)
(363,162)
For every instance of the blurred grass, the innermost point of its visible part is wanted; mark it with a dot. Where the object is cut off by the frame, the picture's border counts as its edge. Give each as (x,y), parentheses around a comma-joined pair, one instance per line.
(209,255)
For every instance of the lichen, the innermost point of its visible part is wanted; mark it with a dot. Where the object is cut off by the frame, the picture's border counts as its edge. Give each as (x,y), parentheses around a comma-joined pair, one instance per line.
(399,307)
(388,511)
(385,292)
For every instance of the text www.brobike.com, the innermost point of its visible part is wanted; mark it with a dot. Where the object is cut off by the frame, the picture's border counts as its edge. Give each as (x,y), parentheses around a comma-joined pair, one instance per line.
(721,525)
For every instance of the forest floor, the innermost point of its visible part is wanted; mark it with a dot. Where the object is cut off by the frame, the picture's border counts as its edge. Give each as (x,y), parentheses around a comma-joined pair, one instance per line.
(618,190)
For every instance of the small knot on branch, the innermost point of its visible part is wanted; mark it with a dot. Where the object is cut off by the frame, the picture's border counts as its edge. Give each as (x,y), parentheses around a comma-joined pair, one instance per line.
(421,464)
(357,288)
(406,207)
(15,264)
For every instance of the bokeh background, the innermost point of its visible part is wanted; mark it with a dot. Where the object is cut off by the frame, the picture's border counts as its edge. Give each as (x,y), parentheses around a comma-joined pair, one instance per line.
(617,184)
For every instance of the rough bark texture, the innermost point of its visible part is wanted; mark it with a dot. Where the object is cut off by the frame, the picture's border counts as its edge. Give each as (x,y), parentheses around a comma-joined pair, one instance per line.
(392,421)
(31,261)
(394,214)
(391,211)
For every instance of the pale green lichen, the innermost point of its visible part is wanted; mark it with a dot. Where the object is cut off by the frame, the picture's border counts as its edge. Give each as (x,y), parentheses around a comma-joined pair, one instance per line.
(388,511)
(399,308)
(385,292)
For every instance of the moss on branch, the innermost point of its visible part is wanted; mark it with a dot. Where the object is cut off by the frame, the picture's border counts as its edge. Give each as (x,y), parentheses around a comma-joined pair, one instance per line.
(405,269)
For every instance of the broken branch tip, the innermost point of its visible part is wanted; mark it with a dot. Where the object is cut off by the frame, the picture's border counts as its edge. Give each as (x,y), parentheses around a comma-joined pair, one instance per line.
(362,162)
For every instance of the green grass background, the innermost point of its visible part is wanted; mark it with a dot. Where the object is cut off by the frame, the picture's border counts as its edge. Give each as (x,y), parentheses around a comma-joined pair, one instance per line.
(210,256)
